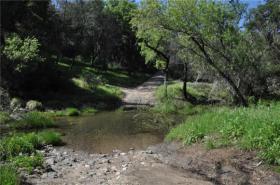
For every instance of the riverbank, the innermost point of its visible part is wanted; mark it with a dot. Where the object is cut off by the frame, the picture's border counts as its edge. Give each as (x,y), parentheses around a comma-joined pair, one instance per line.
(166,163)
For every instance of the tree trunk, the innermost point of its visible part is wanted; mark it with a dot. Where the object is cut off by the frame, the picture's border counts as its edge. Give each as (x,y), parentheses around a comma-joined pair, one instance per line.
(225,76)
(187,96)
(166,78)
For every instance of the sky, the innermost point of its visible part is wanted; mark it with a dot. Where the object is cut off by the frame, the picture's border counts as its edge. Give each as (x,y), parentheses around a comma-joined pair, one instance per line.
(251,3)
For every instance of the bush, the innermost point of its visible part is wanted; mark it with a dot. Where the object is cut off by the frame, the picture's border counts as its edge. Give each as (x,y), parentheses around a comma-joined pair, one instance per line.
(8,175)
(72,112)
(34,120)
(4,117)
(27,162)
(250,128)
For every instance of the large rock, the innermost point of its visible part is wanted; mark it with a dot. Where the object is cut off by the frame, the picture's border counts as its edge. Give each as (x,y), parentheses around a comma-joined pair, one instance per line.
(15,103)
(34,105)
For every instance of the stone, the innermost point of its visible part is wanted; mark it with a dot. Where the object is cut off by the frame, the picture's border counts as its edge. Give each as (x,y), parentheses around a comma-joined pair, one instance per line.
(16,103)
(34,105)
(50,161)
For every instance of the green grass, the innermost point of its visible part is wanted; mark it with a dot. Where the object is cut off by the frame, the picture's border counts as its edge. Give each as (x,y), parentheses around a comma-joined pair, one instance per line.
(8,175)
(34,120)
(50,138)
(27,162)
(16,144)
(254,128)
(4,117)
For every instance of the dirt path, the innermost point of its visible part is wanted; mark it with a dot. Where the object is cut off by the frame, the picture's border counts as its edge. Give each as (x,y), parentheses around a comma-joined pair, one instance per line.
(143,94)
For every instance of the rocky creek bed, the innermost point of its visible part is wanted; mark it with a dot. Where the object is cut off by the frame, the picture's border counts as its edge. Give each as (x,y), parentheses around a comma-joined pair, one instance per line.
(166,163)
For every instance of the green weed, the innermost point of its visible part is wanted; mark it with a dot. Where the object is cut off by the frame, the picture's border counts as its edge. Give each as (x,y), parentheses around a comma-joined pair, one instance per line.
(34,120)
(8,175)
(27,162)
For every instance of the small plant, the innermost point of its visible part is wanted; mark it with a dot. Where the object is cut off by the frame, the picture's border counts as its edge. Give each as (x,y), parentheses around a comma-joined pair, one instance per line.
(27,162)
(33,120)
(8,175)
(72,112)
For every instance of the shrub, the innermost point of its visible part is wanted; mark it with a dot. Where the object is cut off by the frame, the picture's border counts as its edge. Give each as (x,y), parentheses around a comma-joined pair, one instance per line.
(34,120)
(72,112)
(8,175)
(27,162)
(4,117)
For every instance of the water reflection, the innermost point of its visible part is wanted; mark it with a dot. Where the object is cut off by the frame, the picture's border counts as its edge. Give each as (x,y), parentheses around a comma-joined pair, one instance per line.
(106,131)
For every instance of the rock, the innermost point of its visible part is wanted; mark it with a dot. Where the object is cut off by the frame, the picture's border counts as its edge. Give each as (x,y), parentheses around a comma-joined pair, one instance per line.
(34,105)
(122,154)
(114,168)
(50,161)
(16,103)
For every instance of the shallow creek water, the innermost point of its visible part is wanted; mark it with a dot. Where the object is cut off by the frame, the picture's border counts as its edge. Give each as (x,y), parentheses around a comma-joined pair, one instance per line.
(106,131)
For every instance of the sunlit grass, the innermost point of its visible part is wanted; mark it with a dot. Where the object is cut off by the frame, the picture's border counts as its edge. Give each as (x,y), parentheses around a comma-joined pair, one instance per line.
(34,120)
(256,128)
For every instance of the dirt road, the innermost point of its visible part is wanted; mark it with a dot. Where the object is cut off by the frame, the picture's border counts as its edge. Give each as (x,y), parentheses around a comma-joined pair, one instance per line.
(143,94)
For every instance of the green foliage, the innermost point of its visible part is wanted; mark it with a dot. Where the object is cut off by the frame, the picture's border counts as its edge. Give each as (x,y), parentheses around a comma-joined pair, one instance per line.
(21,49)
(255,128)
(27,162)
(33,120)
(8,175)
(4,117)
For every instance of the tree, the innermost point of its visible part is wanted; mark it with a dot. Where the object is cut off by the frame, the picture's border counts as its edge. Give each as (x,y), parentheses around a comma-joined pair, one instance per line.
(210,30)
(155,42)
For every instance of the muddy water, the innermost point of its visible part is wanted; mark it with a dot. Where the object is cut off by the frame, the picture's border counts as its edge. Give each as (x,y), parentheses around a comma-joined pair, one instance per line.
(106,131)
